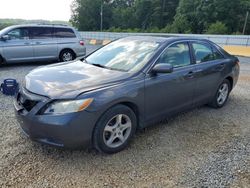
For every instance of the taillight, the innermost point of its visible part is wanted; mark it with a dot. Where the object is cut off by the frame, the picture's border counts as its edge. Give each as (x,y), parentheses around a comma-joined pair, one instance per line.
(81,43)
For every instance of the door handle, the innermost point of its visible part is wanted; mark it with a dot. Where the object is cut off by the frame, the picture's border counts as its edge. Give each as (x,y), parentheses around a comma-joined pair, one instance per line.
(38,43)
(27,43)
(221,66)
(190,74)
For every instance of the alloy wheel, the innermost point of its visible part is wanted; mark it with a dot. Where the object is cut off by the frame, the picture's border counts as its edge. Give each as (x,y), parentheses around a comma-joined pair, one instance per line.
(117,130)
(67,56)
(222,93)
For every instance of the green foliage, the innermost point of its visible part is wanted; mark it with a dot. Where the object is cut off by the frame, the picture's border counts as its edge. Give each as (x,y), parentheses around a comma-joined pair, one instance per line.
(198,15)
(217,28)
(124,14)
(168,16)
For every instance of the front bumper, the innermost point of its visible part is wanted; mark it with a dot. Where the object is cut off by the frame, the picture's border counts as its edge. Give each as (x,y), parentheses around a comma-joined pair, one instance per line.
(72,130)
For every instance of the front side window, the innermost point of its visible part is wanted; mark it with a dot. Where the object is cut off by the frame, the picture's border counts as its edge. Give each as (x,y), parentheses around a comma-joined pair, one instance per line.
(64,33)
(41,32)
(176,55)
(202,52)
(124,54)
(18,34)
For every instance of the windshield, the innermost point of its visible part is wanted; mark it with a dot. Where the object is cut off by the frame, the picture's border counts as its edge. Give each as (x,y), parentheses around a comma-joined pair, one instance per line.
(3,31)
(124,54)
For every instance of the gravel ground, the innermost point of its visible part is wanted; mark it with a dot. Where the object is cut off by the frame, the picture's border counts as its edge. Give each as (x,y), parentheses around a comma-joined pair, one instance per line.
(201,148)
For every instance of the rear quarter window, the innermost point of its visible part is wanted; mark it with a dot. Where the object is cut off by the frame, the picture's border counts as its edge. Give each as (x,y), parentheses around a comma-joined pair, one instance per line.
(217,54)
(64,33)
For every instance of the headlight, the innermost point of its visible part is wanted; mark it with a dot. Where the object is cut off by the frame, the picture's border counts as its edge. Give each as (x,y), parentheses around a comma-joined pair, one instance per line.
(62,107)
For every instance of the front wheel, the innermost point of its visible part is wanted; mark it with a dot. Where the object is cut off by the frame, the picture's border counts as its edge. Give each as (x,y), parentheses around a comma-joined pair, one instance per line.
(115,129)
(222,94)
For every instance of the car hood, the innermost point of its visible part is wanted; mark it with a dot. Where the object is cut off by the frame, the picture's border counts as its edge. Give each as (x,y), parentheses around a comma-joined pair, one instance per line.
(68,80)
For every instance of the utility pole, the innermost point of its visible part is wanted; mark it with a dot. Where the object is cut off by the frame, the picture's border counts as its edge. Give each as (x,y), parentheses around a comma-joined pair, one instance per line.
(101,14)
(245,24)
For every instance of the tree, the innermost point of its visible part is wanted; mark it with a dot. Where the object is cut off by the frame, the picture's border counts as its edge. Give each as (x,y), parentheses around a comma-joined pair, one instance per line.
(200,14)
(176,16)
(86,14)
(124,14)
(217,28)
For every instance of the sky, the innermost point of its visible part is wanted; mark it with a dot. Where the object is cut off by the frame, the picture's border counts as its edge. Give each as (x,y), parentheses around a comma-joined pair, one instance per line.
(36,9)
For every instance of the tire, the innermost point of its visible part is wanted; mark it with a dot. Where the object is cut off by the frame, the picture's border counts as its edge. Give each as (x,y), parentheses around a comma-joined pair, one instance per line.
(67,55)
(221,95)
(1,60)
(114,129)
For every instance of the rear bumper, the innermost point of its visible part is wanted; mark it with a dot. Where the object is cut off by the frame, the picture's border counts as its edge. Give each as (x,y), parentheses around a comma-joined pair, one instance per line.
(235,74)
(69,130)
(81,51)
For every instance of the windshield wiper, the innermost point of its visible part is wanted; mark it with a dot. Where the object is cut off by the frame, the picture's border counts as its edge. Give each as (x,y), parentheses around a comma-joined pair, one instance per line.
(99,65)
(105,67)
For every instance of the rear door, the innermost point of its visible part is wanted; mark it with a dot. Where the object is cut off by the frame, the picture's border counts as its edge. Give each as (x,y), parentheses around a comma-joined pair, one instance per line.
(210,64)
(18,48)
(166,94)
(44,43)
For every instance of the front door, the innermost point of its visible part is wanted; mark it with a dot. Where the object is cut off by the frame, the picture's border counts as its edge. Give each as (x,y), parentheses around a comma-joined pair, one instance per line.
(18,48)
(168,93)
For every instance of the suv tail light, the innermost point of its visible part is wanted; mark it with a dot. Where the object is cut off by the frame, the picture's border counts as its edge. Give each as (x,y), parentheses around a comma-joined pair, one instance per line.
(81,43)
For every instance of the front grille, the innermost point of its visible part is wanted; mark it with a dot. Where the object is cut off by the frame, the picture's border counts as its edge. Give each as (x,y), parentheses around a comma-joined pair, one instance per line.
(26,103)
(29,104)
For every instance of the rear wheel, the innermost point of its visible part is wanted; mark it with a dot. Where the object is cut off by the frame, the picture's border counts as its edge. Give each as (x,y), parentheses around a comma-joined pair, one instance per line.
(67,55)
(115,129)
(222,94)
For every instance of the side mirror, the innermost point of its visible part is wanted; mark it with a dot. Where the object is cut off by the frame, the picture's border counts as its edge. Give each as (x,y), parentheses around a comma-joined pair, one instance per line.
(162,68)
(5,37)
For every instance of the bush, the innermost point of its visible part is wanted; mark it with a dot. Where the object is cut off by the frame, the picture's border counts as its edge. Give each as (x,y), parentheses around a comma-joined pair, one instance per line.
(217,28)
(237,33)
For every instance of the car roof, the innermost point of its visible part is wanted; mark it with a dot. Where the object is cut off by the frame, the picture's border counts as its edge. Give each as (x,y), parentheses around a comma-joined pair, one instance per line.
(165,39)
(40,25)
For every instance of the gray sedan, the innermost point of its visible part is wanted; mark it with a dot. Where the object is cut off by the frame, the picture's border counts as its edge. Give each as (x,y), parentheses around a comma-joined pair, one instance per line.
(126,85)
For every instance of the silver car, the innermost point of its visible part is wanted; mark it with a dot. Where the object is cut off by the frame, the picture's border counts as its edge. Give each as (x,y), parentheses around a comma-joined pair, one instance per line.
(36,42)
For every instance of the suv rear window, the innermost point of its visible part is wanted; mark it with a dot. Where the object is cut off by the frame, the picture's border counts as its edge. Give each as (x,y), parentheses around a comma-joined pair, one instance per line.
(64,33)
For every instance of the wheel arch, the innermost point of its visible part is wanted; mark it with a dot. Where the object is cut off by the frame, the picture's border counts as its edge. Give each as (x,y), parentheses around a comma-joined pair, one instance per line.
(134,107)
(2,60)
(128,104)
(230,79)
(67,49)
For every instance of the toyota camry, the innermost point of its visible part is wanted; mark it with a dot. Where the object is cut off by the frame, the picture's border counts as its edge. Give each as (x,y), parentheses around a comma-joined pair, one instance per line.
(129,84)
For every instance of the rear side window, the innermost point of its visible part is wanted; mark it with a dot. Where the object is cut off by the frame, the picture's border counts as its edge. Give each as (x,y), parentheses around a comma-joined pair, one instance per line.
(202,52)
(41,32)
(64,33)
(176,55)
(18,34)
